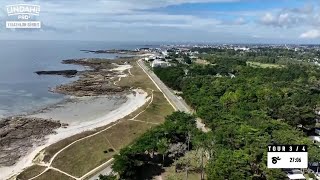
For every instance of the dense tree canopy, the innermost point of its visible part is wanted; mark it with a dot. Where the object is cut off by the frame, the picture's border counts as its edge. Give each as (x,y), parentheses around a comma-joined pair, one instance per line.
(247,108)
(172,76)
(155,148)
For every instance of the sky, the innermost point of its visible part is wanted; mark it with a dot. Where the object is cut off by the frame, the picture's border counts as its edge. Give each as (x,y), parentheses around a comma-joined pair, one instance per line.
(207,21)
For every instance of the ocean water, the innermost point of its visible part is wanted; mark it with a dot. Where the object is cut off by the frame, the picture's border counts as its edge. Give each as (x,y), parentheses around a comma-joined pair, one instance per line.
(21,90)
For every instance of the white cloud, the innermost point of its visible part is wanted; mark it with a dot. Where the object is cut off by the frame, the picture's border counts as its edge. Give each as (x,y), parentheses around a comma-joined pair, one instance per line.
(311,34)
(306,16)
(237,21)
(104,13)
(307,9)
(283,20)
(136,18)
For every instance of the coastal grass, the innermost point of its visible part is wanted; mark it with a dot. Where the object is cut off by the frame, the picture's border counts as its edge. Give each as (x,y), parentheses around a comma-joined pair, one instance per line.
(87,154)
(263,65)
(54,148)
(158,110)
(126,132)
(84,156)
(31,172)
(138,80)
(53,175)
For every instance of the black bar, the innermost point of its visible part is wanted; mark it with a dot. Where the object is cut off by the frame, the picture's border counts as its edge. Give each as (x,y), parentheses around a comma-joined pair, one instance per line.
(287,148)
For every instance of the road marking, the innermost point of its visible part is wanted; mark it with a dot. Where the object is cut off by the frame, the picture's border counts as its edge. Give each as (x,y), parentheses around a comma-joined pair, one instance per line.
(157,85)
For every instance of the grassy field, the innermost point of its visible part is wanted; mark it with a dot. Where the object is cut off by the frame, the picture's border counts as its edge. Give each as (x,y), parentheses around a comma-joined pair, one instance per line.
(98,149)
(53,175)
(54,148)
(263,65)
(84,156)
(201,61)
(139,80)
(157,111)
(91,152)
(125,132)
(31,172)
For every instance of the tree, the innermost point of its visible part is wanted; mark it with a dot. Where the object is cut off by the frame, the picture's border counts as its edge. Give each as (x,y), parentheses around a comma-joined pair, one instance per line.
(162,147)
(107,177)
(187,60)
(229,165)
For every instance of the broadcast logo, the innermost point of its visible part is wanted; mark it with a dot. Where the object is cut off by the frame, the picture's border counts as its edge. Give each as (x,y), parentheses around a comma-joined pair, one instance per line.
(287,156)
(23,16)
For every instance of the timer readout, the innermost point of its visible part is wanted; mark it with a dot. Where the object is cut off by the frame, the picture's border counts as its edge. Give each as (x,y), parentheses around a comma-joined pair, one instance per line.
(287,156)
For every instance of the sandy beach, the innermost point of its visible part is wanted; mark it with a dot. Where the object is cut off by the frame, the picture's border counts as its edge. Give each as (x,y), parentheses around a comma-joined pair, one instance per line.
(82,114)
(79,110)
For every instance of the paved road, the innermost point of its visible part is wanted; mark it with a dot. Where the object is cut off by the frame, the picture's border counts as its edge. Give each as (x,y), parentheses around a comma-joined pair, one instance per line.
(107,170)
(178,104)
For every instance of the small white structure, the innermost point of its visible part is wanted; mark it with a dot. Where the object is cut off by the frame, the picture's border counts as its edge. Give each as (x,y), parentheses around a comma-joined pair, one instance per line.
(296,175)
(152,57)
(157,63)
(165,53)
(241,49)
(315,138)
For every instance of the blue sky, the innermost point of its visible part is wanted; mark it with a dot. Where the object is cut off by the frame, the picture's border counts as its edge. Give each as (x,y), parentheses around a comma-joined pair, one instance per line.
(222,21)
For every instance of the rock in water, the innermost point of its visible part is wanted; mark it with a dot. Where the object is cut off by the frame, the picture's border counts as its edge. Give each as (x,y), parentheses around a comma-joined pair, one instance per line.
(68,73)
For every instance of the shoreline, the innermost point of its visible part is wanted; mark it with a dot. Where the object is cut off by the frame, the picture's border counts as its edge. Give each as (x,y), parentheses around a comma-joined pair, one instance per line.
(134,102)
(131,100)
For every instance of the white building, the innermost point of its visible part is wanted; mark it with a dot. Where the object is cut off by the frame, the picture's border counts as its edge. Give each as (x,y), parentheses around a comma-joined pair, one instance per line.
(164,53)
(157,63)
(241,49)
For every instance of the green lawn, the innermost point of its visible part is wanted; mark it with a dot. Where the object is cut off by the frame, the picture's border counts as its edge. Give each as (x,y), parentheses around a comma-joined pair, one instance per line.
(84,156)
(31,172)
(53,175)
(264,65)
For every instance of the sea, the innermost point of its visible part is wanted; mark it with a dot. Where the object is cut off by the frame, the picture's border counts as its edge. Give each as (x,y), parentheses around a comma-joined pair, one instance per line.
(21,90)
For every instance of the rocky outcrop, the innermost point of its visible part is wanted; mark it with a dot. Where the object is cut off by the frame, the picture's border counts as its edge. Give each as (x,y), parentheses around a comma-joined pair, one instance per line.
(96,81)
(112,51)
(67,73)
(19,134)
